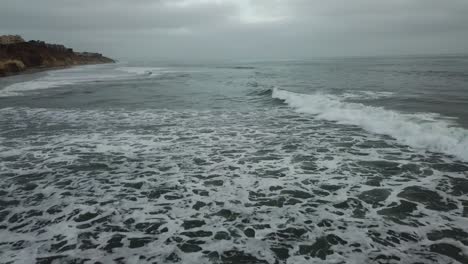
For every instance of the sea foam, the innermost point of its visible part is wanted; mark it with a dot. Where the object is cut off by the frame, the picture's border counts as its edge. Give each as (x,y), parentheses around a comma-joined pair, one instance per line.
(76,75)
(419,130)
(108,184)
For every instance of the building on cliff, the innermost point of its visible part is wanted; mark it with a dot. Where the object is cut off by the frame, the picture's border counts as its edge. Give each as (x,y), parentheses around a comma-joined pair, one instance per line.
(56,47)
(89,54)
(10,39)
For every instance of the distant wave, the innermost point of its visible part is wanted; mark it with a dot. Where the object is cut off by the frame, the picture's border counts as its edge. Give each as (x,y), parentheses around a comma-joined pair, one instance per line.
(16,89)
(367,95)
(420,130)
(238,67)
(76,75)
(140,70)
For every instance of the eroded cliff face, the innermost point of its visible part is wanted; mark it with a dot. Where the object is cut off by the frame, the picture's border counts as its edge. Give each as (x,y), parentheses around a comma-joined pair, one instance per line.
(19,57)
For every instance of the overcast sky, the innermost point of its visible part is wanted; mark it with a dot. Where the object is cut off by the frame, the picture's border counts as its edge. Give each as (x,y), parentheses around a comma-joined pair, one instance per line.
(243,29)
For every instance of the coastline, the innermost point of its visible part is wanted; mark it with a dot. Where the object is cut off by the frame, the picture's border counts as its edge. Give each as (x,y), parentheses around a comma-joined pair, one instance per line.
(36,56)
(46,69)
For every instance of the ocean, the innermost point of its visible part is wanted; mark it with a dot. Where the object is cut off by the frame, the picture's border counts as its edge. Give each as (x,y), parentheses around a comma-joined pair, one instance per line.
(339,160)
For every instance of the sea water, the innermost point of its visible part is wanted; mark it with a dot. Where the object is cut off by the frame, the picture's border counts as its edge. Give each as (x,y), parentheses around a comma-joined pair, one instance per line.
(353,160)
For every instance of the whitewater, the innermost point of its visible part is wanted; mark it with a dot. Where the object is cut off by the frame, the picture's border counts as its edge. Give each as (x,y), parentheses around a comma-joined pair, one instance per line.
(419,130)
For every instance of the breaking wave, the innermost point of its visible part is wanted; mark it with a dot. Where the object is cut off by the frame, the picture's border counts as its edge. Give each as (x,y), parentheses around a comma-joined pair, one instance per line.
(421,130)
(77,75)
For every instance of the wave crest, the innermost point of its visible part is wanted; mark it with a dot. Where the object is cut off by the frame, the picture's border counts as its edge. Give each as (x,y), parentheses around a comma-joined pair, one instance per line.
(422,130)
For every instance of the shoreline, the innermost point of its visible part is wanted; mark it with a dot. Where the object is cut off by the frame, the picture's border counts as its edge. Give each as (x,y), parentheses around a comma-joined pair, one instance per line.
(34,70)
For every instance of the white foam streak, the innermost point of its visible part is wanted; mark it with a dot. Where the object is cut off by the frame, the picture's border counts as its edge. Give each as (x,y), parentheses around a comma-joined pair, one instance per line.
(16,88)
(77,75)
(140,70)
(415,130)
(365,95)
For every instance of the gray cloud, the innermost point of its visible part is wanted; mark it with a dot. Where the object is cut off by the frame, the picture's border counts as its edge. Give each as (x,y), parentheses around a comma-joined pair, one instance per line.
(243,29)
(109,15)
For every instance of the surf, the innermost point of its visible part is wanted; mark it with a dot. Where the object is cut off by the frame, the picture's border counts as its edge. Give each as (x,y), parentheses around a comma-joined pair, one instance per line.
(428,131)
(77,75)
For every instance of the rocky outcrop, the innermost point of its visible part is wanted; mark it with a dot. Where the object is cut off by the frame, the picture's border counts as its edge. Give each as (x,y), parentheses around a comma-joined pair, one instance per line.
(20,57)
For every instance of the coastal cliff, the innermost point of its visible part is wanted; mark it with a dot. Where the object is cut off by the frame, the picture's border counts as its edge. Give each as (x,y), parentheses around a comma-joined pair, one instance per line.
(23,56)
